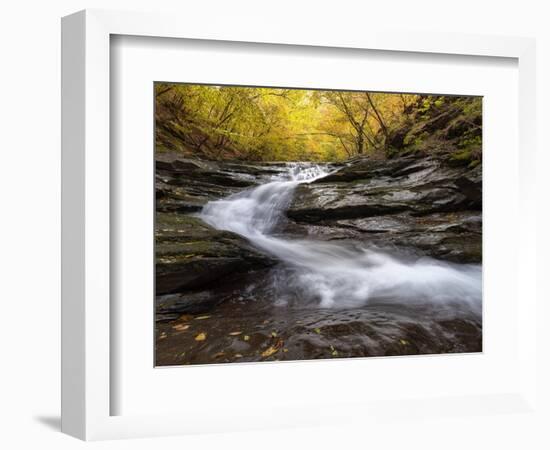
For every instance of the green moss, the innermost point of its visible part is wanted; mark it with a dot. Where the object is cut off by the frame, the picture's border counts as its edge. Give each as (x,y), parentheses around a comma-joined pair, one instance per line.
(470,142)
(414,141)
(409,138)
(474,163)
(464,155)
(391,151)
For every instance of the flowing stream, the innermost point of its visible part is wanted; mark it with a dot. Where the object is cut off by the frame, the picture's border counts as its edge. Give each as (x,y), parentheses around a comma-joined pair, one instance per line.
(337,274)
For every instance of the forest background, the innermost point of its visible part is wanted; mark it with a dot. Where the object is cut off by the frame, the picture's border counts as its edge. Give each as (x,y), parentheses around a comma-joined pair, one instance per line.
(279,124)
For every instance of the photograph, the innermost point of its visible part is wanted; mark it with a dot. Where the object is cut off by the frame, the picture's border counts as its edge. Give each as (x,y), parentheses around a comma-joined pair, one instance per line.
(298,224)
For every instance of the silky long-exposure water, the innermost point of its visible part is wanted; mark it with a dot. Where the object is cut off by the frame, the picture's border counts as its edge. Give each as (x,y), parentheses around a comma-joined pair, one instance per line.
(333,274)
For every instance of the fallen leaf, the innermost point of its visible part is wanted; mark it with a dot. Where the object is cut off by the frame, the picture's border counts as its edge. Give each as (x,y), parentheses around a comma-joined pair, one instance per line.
(246,337)
(202,317)
(270,351)
(285,350)
(238,355)
(273,349)
(317,330)
(219,354)
(334,353)
(185,317)
(273,334)
(180,327)
(403,342)
(235,333)
(200,337)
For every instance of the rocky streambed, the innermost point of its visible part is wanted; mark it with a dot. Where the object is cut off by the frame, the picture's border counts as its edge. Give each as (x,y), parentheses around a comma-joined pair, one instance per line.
(223,296)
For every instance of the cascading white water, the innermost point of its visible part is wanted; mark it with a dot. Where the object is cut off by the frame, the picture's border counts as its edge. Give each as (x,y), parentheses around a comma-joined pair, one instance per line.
(333,274)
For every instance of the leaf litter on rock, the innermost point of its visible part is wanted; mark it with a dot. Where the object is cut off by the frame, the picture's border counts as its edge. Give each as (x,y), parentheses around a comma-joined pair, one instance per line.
(273,349)
(200,337)
(184,318)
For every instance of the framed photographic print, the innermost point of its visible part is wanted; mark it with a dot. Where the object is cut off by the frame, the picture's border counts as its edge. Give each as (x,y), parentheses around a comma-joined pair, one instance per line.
(285,213)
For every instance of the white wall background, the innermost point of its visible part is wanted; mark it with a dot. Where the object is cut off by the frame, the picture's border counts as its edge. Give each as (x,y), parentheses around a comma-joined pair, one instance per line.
(30,188)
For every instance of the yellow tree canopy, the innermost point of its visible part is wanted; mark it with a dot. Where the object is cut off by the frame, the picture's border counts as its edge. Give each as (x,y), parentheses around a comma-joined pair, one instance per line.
(220,122)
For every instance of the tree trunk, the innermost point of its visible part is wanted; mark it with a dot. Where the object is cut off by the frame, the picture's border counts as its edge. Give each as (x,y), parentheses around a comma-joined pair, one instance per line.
(378,116)
(360,144)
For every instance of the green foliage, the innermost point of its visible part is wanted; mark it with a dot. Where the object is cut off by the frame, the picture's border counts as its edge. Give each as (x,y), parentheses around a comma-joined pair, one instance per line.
(470,142)
(464,155)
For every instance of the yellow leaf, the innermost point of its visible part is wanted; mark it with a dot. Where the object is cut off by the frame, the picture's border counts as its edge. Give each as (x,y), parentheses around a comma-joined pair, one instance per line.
(270,351)
(273,334)
(317,330)
(246,337)
(235,333)
(180,327)
(185,317)
(403,342)
(202,317)
(200,337)
(238,355)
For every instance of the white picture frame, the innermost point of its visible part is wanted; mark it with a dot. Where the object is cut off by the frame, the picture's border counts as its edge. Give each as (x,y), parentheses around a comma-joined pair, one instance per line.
(86,245)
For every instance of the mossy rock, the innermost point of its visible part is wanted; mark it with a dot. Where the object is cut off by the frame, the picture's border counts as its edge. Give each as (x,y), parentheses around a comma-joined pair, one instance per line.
(474,163)
(461,158)
(191,254)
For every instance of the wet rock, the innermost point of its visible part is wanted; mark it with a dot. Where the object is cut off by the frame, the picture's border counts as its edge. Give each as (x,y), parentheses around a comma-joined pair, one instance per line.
(451,236)
(369,188)
(172,306)
(364,168)
(186,185)
(190,254)
(470,184)
(420,203)
(286,333)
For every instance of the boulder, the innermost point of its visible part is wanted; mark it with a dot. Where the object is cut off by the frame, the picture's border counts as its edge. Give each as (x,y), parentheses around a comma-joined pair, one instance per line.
(424,204)
(191,254)
(369,188)
(185,185)
(171,306)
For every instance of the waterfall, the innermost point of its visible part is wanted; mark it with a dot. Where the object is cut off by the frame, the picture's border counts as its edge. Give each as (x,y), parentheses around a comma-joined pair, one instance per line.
(337,274)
